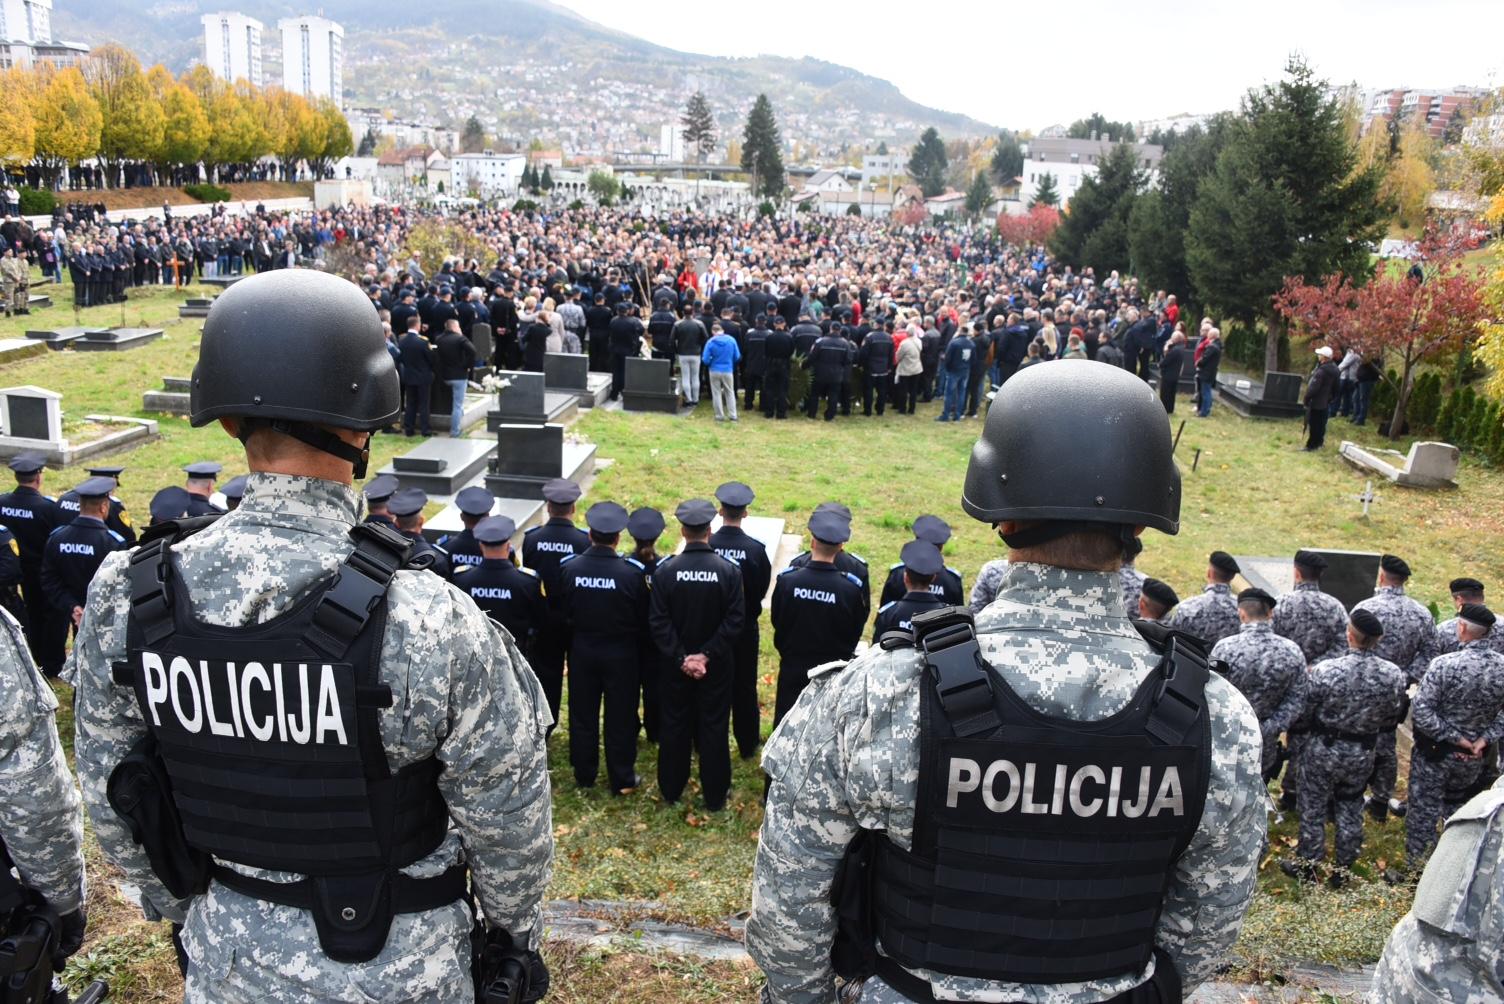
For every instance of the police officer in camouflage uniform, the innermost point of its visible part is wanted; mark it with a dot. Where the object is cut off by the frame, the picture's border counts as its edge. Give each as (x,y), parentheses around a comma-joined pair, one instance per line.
(40,823)
(419,723)
(1317,623)
(1213,615)
(1458,711)
(1447,947)
(848,761)
(1409,642)
(1350,702)
(989,581)
(1155,602)
(1269,670)
(1130,577)
(1464,591)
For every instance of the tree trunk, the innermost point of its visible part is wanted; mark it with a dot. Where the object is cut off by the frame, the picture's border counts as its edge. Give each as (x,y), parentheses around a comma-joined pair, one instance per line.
(1272,334)
(1401,401)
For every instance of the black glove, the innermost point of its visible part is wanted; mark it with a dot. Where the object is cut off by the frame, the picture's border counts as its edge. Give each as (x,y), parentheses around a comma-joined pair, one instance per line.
(71,937)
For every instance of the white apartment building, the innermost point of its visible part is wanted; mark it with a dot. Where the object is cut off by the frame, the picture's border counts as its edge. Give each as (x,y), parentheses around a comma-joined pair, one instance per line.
(1072,161)
(488,174)
(313,57)
(232,46)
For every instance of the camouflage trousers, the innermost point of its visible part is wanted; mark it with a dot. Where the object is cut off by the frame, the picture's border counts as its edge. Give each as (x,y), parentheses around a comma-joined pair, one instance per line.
(1386,768)
(1332,770)
(1438,788)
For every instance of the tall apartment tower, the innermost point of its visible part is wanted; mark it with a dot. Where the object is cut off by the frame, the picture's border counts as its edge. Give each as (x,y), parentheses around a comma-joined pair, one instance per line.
(232,46)
(313,57)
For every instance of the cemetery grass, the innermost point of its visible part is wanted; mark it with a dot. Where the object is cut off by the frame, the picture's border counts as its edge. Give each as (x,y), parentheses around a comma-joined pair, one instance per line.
(1253,492)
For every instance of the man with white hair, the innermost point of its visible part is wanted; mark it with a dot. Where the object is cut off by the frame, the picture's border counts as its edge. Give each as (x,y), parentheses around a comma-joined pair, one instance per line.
(1320,389)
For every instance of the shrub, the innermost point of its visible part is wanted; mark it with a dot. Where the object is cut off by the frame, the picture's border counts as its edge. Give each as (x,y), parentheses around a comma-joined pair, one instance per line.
(205,192)
(577,205)
(855,209)
(1446,417)
(1382,405)
(766,208)
(1425,401)
(525,206)
(37,202)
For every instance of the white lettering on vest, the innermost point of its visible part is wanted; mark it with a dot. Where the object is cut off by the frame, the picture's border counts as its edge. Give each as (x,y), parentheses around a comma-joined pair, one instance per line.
(490,593)
(1006,786)
(465,559)
(1133,810)
(300,731)
(818,595)
(963,778)
(730,555)
(216,727)
(67,547)
(318,717)
(180,670)
(937,589)
(989,796)
(697,575)
(1169,796)
(254,671)
(14,513)
(330,719)
(593,582)
(555,547)
(1082,808)
(1031,807)
(155,675)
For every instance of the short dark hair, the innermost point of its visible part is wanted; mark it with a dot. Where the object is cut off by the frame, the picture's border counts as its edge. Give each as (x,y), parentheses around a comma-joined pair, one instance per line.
(1255,607)
(604,539)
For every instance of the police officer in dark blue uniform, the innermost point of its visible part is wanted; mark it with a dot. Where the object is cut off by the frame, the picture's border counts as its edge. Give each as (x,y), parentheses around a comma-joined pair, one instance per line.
(818,610)
(921,566)
(747,553)
(511,596)
(378,492)
(32,517)
(604,601)
(233,490)
(696,617)
(947,584)
(118,519)
(645,526)
(74,552)
(406,506)
(475,504)
(543,547)
(852,564)
(169,504)
(201,477)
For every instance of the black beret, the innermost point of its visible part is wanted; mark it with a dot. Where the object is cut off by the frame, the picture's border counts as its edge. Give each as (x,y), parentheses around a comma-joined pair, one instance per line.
(922,558)
(830,526)
(606,517)
(1477,613)
(646,524)
(380,488)
(736,494)
(1160,592)
(475,501)
(1310,560)
(1465,586)
(1367,622)
(562,491)
(407,502)
(1225,562)
(932,529)
(1395,566)
(495,530)
(1255,593)
(695,512)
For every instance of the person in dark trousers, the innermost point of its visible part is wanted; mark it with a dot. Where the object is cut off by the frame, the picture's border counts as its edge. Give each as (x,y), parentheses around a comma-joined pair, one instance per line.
(605,602)
(921,564)
(455,355)
(598,334)
(976,381)
(543,548)
(747,553)
(779,351)
(876,357)
(418,365)
(645,526)
(1209,357)
(626,342)
(73,553)
(827,363)
(754,360)
(1171,365)
(510,596)
(697,612)
(31,517)
(1321,388)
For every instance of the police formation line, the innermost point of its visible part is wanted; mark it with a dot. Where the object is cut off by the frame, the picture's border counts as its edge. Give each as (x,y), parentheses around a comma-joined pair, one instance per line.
(328,768)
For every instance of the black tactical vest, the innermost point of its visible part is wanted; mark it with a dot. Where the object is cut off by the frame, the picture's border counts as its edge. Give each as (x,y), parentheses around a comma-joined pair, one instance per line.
(1043,846)
(271,744)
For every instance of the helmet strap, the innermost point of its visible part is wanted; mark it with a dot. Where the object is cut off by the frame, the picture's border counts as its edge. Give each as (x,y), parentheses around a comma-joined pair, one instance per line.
(311,435)
(1049,530)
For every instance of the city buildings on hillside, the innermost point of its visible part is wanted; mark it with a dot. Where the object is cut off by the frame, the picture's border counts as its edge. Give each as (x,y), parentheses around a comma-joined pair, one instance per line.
(232,46)
(26,36)
(313,57)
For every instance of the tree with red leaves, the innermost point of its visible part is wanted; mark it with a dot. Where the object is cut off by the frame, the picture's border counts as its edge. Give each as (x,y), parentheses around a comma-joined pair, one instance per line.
(1029,230)
(1407,314)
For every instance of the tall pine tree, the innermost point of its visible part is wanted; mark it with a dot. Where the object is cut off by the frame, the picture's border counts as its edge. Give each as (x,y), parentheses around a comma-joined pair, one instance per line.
(978,195)
(473,139)
(1046,194)
(928,163)
(699,127)
(762,149)
(1007,159)
(1094,231)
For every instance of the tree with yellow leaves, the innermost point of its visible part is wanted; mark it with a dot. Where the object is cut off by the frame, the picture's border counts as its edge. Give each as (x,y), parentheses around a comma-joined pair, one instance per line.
(1490,349)
(337,141)
(68,121)
(1411,179)
(18,135)
(130,115)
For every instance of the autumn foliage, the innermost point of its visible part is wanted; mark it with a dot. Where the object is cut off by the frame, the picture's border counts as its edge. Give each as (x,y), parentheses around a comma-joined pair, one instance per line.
(1409,314)
(1031,229)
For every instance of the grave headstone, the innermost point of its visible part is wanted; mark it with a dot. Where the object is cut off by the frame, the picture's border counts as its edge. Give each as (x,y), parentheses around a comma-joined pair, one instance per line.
(566,370)
(1350,575)
(1282,388)
(528,401)
(56,338)
(480,336)
(649,386)
(528,456)
(441,466)
(32,413)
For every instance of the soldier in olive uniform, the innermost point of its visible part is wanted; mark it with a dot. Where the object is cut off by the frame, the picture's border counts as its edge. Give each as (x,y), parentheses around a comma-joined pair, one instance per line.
(1269,670)
(435,759)
(949,810)
(1213,615)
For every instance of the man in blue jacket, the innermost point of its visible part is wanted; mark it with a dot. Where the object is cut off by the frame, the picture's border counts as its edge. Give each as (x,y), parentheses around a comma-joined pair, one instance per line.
(720,356)
(957,364)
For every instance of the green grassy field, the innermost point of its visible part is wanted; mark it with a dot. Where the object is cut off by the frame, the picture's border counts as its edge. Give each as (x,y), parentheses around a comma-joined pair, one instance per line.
(1253,492)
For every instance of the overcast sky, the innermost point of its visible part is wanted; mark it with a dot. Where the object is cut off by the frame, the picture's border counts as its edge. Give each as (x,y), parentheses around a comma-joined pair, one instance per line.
(1027,66)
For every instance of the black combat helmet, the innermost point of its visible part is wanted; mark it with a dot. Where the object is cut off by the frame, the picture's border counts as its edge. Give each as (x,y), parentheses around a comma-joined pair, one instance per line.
(294,349)
(1074,443)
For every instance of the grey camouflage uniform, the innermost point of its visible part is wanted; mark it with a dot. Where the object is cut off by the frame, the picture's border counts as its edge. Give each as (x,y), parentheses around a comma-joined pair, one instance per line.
(462,692)
(1408,641)
(989,581)
(1133,584)
(1446,638)
(1314,620)
(1211,616)
(1355,693)
(1460,697)
(847,757)
(1271,673)
(1450,946)
(40,818)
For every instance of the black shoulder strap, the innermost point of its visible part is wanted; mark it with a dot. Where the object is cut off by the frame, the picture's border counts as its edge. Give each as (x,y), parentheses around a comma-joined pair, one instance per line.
(10,886)
(358,587)
(947,636)
(1181,695)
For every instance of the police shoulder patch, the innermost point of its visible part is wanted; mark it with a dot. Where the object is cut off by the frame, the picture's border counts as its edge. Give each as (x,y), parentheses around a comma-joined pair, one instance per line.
(118,538)
(858,557)
(57,530)
(532,530)
(886,605)
(856,580)
(895,566)
(636,564)
(787,571)
(567,558)
(462,569)
(526,571)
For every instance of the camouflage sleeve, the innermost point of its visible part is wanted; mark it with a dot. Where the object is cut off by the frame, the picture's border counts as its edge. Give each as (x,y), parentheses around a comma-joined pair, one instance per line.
(495,777)
(107,724)
(806,826)
(1214,879)
(1293,703)
(1427,651)
(1424,711)
(40,819)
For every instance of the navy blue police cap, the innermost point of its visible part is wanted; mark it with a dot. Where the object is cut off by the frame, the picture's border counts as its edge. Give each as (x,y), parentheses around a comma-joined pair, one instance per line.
(495,530)
(606,517)
(921,558)
(646,523)
(474,501)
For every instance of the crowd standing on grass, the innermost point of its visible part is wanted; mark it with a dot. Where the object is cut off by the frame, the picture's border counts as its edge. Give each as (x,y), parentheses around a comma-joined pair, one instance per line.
(895,758)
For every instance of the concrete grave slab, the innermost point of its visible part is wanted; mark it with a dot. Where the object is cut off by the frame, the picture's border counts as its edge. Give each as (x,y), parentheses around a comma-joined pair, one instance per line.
(1427,465)
(441,466)
(117,339)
